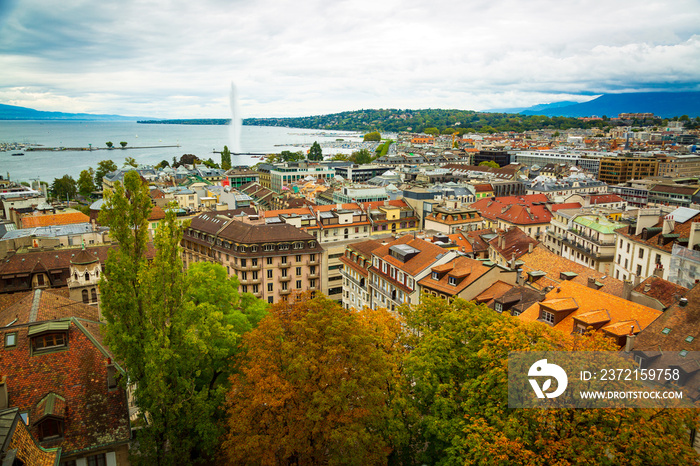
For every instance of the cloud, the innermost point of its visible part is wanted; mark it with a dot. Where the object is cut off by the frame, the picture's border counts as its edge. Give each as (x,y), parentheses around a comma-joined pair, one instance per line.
(177,59)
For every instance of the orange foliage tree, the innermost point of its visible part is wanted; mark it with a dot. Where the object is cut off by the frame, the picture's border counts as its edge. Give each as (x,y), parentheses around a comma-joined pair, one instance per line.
(315,386)
(457,376)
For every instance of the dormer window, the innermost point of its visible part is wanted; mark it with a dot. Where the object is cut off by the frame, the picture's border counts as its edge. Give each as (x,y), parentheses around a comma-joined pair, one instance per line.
(51,414)
(49,336)
(452,281)
(435,276)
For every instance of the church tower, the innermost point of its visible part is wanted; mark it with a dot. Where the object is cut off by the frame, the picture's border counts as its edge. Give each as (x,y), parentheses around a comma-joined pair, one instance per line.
(85,271)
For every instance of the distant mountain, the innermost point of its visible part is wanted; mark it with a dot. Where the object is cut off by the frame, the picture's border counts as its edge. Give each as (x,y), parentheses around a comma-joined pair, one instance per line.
(563,103)
(662,104)
(11,112)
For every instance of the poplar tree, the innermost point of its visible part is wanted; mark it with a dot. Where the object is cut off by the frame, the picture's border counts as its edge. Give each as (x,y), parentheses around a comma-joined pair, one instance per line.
(173,331)
(225,158)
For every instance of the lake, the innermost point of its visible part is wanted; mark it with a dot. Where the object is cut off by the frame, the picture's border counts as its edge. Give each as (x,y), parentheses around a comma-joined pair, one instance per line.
(200,140)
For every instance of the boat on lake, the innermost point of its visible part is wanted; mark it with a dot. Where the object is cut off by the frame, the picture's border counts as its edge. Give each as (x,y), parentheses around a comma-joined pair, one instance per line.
(18,154)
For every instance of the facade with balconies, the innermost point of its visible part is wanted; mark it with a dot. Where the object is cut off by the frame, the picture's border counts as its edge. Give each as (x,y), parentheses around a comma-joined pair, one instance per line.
(271,260)
(589,240)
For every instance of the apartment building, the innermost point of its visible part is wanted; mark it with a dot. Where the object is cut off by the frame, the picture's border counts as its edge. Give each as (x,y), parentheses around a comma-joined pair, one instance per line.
(529,213)
(360,173)
(398,266)
(357,261)
(673,194)
(465,278)
(450,215)
(283,175)
(647,247)
(616,170)
(506,247)
(679,166)
(271,260)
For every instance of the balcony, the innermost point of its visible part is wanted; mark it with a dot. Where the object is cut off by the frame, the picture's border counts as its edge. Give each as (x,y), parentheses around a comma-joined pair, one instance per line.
(284,265)
(312,275)
(285,292)
(312,262)
(249,267)
(249,281)
(285,278)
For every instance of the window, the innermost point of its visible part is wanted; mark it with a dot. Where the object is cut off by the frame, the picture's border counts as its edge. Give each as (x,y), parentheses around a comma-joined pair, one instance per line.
(384,267)
(269,274)
(269,287)
(50,429)
(452,281)
(254,262)
(298,270)
(255,275)
(111,377)
(284,259)
(93,294)
(298,258)
(86,298)
(284,286)
(270,299)
(255,288)
(498,307)
(435,276)
(548,317)
(639,270)
(628,247)
(284,272)
(269,261)
(658,259)
(97,460)
(10,340)
(312,283)
(641,253)
(312,257)
(48,341)
(298,284)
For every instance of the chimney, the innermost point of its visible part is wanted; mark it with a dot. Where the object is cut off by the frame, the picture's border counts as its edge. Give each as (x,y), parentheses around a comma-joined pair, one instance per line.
(591,283)
(669,225)
(627,288)
(4,400)
(530,247)
(629,344)
(659,271)
(501,241)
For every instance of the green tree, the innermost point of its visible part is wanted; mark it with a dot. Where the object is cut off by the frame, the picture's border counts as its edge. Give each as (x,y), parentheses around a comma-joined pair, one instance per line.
(130,162)
(489,163)
(162,164)
(374,136)
(225,159)
(64,187)
(86,182)
(123,144)
(104,167)
(109,144)
(315,387)
(289,156)
(209,163)
(174,331)
(340,157)
(432,131)
(315,152)
(361,156)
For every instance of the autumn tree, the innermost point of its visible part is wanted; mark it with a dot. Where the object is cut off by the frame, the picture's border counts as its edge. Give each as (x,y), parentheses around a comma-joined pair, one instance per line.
(489,163)
(374,136)
(173,330)
(315,152)
(103,167)
(86,182)
(226,159)
(457,376)
(315,387)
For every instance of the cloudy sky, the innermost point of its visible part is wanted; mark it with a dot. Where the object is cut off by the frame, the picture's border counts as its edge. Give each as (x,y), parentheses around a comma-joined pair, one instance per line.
(177,59)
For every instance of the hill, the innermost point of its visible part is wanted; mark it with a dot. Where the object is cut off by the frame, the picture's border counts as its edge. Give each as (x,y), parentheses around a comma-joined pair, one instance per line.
(12,112)
(662,104)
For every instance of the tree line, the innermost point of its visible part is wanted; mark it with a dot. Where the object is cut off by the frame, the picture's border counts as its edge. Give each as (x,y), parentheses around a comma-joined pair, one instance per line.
(225,379)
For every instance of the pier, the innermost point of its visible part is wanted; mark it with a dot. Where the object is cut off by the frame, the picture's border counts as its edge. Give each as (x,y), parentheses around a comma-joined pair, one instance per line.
(91,149)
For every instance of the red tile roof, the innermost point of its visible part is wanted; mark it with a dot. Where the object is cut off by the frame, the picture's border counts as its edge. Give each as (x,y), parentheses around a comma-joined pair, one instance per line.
(512,243)
(63,218)
(567,205)
(575,302)
(523,210)
(418,263)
